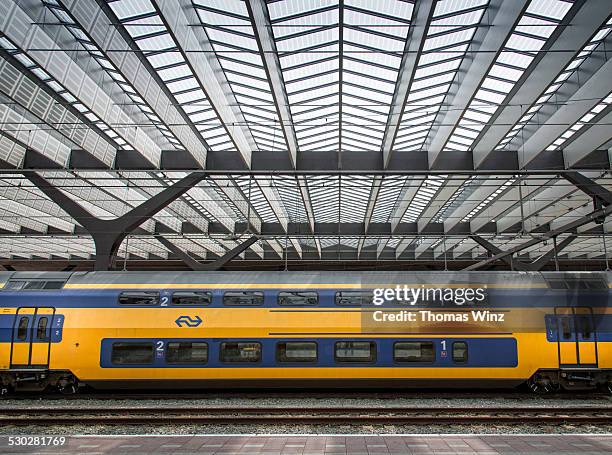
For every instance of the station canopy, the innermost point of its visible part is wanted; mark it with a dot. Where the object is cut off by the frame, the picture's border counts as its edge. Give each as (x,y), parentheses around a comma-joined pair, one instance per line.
(378,130)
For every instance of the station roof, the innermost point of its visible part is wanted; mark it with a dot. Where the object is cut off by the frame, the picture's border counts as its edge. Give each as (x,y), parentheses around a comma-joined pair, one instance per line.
(359,129)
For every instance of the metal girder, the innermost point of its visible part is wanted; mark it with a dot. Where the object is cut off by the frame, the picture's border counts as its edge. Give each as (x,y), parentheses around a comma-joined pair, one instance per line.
(583,25)
(116,45)
(210,266)
(534,266)
(590,187)
(473,69)
(548,235)
(108,234)
(258,12)
(209,73)
(596,135)
(21,28)
(421,16)
(586,97)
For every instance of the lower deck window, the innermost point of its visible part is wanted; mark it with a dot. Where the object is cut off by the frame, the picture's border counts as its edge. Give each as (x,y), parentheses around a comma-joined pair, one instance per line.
(240,352)
(132,353)
(460,351)
(187,352)
(296,351)
(414,351)
(355,351)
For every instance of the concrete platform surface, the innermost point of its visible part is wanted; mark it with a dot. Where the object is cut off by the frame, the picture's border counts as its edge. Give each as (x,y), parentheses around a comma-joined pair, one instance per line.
(316,445)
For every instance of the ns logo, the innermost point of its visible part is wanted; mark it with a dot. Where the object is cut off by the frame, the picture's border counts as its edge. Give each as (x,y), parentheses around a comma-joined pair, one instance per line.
(188,321)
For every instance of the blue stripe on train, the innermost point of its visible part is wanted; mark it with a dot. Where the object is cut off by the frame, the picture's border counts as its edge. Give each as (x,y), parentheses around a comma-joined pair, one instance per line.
(496,298)
(482,352)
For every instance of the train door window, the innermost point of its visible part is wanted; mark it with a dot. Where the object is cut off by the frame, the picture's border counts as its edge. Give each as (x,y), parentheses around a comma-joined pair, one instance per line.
(240,352)
(137,298)
(566,330)
(296,351)
(460,351)
(354,298)
(585,327)
(197,298)
(22,328)
(41,329)
(187,352)
(298,298)
(132,353)
(414,351)
(355,351)
(249,298)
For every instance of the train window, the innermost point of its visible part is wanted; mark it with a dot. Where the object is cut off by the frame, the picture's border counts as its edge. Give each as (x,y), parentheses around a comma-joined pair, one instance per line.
(187,352)
(566,330)
(355,351)
(132,353)
(414,351)
(240,352)
(192,298)
(139,298)
(237,298)
(298,298)
(296,351)
(22,328)
(460,351)
(41,328)
(354,298)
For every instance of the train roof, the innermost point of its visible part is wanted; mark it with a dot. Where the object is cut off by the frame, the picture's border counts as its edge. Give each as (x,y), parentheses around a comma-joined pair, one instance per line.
(176,278)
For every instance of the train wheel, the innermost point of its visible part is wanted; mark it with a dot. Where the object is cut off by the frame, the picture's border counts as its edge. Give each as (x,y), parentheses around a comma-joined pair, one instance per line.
(540,385)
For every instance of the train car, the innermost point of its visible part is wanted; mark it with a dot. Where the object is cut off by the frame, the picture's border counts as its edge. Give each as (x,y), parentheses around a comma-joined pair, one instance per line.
(299,329)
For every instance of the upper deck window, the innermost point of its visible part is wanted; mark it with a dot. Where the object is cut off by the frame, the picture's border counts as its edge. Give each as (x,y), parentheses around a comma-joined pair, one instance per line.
(139,298)
(33,285)
(200,298)
(239,298)
(298,298)
(354,298)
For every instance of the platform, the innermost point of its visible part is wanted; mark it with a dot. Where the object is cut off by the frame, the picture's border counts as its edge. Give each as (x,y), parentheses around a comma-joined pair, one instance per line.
(328,445)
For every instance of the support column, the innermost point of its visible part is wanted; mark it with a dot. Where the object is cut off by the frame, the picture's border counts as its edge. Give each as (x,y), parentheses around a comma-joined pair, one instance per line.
(108,234)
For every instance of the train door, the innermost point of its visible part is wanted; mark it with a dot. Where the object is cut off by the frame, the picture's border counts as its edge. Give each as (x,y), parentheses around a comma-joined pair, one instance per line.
(31,337)
(577,340)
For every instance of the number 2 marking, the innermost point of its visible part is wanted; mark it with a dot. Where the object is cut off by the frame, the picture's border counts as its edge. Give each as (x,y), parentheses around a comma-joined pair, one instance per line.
(160,345)
(164,301)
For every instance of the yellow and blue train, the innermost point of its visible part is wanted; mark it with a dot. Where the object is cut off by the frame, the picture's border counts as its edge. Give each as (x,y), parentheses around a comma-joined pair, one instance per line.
(296,329)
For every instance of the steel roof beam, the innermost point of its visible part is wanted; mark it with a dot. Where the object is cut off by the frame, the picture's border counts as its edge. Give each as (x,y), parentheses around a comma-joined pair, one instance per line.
(589,139)
(421,16)
(209,73)
(20,28)
(215,265)
(260,19)
(591,16)
(602,213)
(502,15)
(586,97)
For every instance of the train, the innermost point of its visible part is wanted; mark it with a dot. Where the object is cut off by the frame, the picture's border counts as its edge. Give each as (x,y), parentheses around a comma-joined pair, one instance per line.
(120,330)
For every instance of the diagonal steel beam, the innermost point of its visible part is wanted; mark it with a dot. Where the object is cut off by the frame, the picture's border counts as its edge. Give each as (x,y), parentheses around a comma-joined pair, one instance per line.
(421,16)
(210,266)
(475,68)
(590,187)
(208,71)
(262,26)
(591,217)
(583,25)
